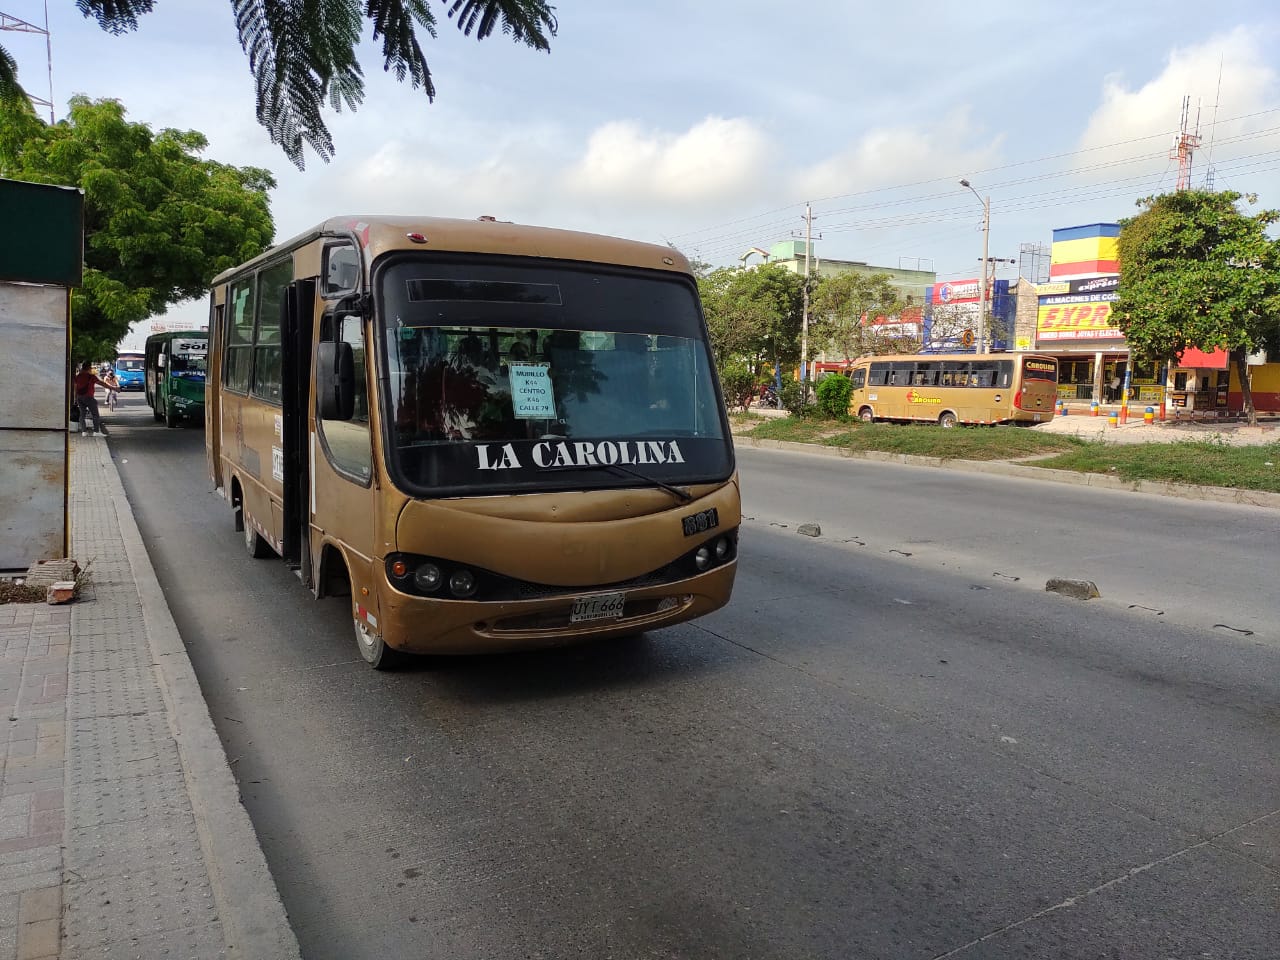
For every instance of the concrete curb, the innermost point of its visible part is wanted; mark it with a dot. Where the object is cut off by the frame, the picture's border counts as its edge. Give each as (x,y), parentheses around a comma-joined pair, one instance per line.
(1183,491)
(249,906)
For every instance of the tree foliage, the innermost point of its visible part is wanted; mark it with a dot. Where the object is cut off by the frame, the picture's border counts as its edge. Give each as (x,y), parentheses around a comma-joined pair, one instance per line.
(1195,271)
(160,222)
(753,315)
(843,303)
(302,53)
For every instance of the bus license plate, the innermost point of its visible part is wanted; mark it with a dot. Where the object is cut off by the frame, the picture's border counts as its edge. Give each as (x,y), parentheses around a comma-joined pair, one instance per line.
(604,606)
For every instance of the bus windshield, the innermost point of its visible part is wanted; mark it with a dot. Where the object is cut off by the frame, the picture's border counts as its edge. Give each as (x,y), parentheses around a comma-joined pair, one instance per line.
(509,378)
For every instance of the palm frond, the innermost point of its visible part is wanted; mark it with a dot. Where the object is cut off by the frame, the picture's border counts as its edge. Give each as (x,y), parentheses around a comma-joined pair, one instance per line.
(393,22)
(11,92)
(115,16)
(531,22)
(301,53)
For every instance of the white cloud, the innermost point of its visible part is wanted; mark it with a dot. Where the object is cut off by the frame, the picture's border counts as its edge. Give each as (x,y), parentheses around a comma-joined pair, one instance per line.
(891,156)
(714,160)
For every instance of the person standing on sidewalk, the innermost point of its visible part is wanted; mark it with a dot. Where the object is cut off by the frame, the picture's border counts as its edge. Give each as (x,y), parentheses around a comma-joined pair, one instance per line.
(86,381)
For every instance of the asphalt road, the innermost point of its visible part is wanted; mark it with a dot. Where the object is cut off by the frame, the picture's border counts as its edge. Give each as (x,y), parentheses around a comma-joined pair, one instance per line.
(867,754)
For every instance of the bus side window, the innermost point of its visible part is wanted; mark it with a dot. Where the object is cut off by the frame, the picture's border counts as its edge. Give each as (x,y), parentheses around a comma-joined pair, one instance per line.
(859,378)
(348,441)
(239,336)
(879,375)
(1006,373)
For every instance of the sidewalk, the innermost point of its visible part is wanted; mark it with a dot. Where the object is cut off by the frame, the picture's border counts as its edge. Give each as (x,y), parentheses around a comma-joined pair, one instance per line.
(121,829)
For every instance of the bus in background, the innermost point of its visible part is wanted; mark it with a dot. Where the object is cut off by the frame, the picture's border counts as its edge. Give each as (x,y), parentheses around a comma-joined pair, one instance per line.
(480,436)
(948,389)
(129,371)
(174,371)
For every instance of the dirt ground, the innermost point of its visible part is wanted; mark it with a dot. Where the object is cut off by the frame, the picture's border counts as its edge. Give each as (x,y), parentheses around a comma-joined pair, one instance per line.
(1171,431)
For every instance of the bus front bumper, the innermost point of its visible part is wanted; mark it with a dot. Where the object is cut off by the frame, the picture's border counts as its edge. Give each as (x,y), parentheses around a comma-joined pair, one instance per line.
(419,625)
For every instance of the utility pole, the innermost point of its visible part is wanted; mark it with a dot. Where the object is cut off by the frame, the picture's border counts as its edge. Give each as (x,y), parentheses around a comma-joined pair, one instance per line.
(804,316)
(982,285)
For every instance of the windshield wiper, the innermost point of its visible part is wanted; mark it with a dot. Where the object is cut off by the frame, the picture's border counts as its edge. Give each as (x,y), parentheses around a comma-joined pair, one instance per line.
(681,495)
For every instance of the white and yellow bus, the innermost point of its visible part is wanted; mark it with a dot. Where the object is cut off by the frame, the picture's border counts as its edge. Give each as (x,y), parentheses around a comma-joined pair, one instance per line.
(949,389)
(484,436)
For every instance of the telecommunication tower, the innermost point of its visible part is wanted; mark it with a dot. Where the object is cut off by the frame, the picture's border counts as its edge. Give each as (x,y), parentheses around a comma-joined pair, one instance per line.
(13,24)
(1184,146)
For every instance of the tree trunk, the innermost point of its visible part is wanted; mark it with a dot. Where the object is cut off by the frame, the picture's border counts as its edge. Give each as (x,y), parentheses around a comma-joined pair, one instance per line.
(1242,371)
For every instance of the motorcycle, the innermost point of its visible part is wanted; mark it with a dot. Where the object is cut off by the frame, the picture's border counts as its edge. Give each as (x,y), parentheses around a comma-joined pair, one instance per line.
(768,396)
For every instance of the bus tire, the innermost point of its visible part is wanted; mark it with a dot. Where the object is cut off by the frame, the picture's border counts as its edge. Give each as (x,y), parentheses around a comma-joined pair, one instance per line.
(254,545)
(157,413)
(373,651)
(866,415)
(947,420)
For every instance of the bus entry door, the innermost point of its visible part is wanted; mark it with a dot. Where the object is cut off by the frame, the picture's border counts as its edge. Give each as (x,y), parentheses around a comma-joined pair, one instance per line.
(296,324)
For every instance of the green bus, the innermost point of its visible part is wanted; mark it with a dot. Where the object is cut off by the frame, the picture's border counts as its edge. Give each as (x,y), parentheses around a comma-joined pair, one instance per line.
(174,367)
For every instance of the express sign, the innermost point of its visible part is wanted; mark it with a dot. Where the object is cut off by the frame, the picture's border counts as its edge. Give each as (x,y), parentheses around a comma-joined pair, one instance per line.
(1078,321)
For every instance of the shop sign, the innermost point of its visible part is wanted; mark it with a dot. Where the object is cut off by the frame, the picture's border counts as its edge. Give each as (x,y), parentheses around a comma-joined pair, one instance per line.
(1090,320)
(957,291)
(1094,285)
(1080,298)
(1058,286)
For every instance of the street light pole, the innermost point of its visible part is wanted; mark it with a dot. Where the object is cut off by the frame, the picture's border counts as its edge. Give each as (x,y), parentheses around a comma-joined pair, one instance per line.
(982,279)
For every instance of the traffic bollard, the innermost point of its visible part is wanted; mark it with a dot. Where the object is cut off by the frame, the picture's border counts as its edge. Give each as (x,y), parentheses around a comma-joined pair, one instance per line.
(1163,404)
(1124,412)
(1149,415)
(1093,408)
(1113,418)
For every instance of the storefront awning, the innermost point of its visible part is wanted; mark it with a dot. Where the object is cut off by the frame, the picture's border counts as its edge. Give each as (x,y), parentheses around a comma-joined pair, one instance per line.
(1201,359)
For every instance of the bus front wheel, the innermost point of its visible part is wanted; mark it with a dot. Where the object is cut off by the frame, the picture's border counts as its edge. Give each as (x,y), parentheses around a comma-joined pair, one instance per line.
(373,651)
(254,545)
(170,416)
(157,412)
(866,415)
(947,420)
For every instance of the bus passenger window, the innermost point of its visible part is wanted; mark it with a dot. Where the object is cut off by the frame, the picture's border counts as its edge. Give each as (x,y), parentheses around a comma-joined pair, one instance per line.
(859,378)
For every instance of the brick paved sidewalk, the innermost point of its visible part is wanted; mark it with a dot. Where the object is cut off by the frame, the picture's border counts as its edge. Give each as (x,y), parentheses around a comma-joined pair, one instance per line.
(121,831)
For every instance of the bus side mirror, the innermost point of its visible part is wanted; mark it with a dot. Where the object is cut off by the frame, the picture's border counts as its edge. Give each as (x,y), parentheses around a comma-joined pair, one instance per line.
(335,380)
(160,360)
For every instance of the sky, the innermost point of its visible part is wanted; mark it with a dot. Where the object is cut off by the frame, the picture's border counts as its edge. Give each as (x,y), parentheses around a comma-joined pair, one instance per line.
(710,125)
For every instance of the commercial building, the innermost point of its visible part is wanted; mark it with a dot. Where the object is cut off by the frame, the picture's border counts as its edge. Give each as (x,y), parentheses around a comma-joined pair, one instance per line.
(1074,324)
(913,284)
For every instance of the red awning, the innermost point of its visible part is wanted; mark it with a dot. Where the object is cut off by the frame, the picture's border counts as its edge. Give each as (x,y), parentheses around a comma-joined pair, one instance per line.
(1211,360)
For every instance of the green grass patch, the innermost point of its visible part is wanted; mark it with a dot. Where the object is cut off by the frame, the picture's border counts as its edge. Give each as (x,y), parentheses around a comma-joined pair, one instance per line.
(923,440)
(1200,462)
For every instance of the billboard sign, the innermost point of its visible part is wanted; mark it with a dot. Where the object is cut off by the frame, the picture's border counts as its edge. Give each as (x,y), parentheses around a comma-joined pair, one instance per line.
(1086,320)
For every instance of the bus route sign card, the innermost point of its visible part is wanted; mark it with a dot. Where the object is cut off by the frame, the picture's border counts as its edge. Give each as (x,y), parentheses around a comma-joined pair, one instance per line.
(531,391)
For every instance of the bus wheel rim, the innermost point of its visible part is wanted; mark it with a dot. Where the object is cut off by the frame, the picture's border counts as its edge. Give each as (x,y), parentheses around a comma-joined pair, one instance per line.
(363,636)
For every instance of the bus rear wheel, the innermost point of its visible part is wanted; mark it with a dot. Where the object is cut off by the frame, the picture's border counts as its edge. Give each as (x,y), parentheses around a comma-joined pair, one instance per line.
(866,415)
(947,420)
(372,649)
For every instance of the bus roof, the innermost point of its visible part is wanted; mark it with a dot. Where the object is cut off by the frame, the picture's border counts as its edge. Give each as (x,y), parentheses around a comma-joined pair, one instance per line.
(379,235)
(170,334)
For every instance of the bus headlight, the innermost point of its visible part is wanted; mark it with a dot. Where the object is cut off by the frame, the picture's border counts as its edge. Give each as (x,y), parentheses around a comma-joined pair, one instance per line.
(427,577)
(722,548)
(702,559)
(462,583)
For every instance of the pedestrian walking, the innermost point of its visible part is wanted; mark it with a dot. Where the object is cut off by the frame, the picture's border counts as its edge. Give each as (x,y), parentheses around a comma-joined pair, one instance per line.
(86,381)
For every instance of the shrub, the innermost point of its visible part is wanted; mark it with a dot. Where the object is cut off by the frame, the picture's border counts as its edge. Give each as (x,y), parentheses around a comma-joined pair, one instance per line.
(796,398)
(833,396)
(739,385)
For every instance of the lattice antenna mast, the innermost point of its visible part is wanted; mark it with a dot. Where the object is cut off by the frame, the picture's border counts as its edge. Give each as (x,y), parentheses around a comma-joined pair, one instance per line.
(15,25)
(1184,147)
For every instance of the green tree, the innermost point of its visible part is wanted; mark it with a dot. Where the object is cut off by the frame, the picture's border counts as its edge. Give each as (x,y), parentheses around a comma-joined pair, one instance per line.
(160,222)
(753,314)
(842,304)
(302,53)
(1195,271)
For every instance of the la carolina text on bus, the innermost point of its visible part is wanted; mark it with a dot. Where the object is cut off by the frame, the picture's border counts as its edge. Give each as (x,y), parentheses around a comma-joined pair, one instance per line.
(959,388)
(480,436)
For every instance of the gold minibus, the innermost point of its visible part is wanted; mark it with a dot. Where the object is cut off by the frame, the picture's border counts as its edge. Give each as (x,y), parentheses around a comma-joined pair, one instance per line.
(483,436)
(948,389)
